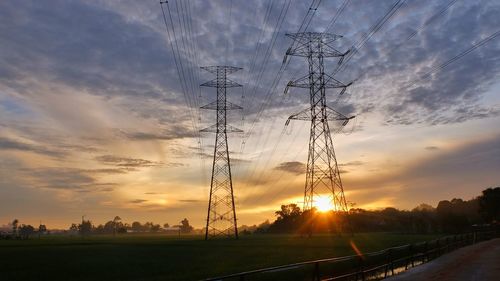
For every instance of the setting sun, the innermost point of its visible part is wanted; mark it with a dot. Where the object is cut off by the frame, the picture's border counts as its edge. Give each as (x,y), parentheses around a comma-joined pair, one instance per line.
(323,203)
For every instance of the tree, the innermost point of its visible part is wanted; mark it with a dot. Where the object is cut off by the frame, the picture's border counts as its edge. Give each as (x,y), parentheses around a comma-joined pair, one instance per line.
(73,228)
(109,227)
(116,224)
(147,226)
(25,231)
(15,224)
(155,228)
(423,207)
(489,204)
(85,228)
(166,225)
(289,218)
(42,229)
(185,227)
(452,216)
(136,226)
(287,211)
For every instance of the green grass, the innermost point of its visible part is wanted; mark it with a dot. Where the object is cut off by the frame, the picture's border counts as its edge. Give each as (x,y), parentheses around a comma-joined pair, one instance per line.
(158,257)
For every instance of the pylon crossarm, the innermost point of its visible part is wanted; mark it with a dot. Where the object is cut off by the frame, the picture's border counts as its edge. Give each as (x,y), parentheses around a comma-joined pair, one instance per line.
(302,82)
(228,106)
(304,115)
(334,83)
(330,51)
(331,115)
(217,83)
(221,68)
(228,129)
(302,42)
(335,115)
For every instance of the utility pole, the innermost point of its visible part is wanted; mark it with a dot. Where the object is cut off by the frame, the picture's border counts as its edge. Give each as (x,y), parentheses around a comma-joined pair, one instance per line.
(221,216)
(323,175)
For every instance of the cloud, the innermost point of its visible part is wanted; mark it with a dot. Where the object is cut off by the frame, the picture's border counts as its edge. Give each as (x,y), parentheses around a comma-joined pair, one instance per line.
(10,144)
(62,178)
(154,193)
(432,148)
(138,201)
(189,201)
(352,163)
(126,162)
(110,171)
(293,167)
(173,132)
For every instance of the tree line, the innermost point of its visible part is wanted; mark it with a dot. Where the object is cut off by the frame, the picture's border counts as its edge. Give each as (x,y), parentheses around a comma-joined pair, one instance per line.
(449,216)
(116,226)
(23,231)
(86,227)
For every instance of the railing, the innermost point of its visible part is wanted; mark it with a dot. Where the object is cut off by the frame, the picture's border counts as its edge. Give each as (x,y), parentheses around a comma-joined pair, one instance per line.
(369,266)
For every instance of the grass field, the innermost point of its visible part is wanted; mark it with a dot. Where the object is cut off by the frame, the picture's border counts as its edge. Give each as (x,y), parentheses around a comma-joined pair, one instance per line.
(158,257)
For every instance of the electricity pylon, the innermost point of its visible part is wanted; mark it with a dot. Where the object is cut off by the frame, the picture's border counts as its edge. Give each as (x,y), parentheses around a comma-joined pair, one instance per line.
(221,216)
(323,176)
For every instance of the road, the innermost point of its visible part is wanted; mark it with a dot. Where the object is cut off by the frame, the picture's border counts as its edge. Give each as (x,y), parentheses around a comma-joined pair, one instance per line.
(479,262)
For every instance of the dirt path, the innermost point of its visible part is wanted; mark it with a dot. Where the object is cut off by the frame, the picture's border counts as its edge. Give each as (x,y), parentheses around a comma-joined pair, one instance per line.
(479,262)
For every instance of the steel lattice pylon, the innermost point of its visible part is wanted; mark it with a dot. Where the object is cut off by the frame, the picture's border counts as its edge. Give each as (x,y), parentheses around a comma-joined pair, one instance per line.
(323,176)
(221,216)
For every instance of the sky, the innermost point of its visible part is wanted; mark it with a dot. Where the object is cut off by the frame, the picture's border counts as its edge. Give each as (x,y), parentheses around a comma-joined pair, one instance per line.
(95,119)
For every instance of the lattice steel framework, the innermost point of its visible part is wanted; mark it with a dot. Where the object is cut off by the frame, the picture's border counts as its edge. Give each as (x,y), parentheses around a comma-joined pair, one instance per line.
(221,216)
(323,175)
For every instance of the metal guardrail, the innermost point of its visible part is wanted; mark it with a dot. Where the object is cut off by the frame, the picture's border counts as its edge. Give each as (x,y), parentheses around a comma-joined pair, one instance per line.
(369,266)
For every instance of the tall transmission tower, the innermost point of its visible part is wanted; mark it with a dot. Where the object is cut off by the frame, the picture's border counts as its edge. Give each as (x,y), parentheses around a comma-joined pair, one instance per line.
(221,217)
(323,176)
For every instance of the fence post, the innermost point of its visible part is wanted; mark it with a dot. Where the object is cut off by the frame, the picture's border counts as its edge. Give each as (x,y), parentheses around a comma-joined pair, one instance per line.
(360,269)
(410,257)
(316,272)
(438,248)
(412,254)
(388,262)
(425,256)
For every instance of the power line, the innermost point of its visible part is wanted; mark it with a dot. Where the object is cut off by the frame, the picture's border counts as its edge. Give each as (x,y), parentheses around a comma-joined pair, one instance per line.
(228,30)
(277,28)
(413,34)
(373,30)
(268,99)
(453,59)
(337,15)
(172,38)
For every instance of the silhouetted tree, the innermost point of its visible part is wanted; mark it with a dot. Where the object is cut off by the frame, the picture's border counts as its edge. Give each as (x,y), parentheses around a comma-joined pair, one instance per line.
(185,227)
(137,226)
(263,227)
(155,228)
(116,224)
(85,228)
(73,228)
(15,224)
(25,231)
(288,218)
(489,204)
(42,229)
